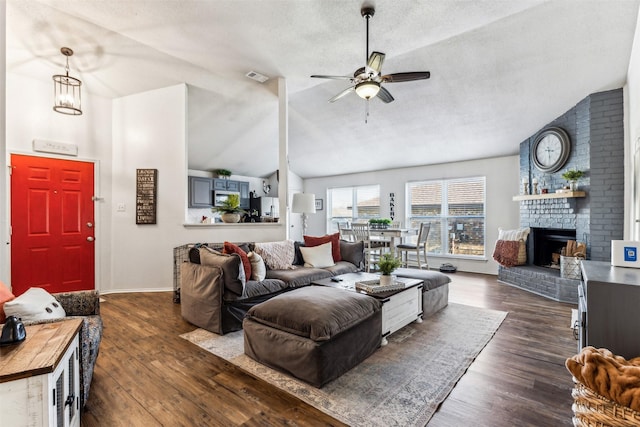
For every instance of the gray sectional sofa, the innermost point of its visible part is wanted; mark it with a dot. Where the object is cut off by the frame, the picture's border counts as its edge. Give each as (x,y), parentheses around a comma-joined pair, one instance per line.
(213,298)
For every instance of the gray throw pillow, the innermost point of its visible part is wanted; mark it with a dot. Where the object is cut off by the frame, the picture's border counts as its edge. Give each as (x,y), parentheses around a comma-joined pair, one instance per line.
(231,265)
(352,252)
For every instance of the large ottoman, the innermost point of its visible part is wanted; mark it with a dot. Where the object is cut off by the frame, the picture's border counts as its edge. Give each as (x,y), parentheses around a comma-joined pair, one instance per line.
(315,333)
(435,293)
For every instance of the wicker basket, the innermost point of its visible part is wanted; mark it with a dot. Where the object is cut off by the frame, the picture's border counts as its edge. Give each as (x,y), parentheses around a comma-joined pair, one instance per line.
(593,410)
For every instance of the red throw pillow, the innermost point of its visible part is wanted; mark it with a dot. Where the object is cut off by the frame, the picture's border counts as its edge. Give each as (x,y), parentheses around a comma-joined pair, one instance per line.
(5,296)
(230,248)
(333,238)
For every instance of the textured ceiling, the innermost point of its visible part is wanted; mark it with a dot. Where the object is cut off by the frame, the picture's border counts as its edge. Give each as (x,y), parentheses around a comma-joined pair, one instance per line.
(500,70)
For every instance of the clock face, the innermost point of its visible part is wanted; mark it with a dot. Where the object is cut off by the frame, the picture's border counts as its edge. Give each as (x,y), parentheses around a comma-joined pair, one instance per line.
(551,150)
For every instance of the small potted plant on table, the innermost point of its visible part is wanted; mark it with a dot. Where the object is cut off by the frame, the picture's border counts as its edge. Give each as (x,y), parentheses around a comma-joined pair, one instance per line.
(230,210)
(387,265)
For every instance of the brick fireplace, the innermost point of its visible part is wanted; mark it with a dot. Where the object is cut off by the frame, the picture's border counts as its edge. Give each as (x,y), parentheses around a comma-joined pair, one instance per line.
(595,126)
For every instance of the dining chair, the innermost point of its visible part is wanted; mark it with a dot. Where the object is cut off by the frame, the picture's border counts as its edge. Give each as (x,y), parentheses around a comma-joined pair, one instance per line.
(372,249)
(420,246)
(345,231)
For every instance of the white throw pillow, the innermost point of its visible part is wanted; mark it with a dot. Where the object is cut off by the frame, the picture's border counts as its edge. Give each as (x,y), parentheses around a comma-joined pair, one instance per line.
(34,305)
(317,256)
(519,234)
(277,255)
(258,268)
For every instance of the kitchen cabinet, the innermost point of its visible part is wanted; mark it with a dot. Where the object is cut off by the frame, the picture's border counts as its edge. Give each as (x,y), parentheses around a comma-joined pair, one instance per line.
(200,192)
(244,195)
(226,184)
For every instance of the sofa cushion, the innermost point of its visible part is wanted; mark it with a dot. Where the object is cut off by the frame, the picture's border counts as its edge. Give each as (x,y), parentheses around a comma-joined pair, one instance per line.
(310,241)
(315,312)
(263,287)
(352,252)
(277,255)
(230,248)
(299,276)
(318,256)
(297,256)
(34,305)
(5,295)
(342,267)
(258,267)
(431,279)
(231,265)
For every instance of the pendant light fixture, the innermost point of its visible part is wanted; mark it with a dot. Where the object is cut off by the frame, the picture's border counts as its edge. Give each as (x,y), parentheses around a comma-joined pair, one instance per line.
(67,98)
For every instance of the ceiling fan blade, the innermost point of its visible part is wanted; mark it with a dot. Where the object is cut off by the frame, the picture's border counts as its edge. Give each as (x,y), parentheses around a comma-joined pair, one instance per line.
(406,77)
(385,96)
(332,77)
(375,61)
(343,93)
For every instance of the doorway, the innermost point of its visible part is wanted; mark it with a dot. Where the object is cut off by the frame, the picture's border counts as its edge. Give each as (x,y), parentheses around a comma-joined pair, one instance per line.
(52,224)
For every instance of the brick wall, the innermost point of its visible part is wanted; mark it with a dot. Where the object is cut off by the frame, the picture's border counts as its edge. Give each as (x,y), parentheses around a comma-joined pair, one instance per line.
(596,129)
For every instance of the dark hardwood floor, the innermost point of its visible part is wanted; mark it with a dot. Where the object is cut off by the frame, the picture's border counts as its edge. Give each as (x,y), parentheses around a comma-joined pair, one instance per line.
(147,375)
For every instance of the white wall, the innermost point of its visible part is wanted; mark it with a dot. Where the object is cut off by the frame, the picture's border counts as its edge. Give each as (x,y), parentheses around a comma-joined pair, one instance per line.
(632,141)
(502,178)
(31,116)
(149,132)
(4,214)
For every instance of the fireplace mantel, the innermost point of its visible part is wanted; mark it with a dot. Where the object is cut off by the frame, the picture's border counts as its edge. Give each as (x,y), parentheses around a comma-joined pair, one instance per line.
(564,195)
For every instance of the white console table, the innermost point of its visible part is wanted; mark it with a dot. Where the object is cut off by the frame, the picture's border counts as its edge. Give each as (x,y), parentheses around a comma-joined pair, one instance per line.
(40,377)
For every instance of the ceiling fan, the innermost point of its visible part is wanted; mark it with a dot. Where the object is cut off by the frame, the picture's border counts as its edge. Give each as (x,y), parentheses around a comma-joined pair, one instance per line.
(367,80)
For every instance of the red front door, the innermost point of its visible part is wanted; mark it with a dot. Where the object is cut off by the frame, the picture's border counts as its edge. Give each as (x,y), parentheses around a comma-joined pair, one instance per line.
(52,224)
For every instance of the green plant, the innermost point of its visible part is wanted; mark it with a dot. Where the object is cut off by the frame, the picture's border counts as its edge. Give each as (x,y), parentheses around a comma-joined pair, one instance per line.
(223,172)
(230,205)
(388,263)
(386,221)
(573,174)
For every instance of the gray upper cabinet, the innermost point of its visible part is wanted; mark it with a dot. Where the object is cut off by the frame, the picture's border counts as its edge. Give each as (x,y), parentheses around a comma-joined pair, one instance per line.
(200,192)
(244,195)
(226,184)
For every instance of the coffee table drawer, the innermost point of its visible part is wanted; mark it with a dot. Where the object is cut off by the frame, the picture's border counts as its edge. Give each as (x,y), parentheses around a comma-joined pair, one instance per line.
(401,309)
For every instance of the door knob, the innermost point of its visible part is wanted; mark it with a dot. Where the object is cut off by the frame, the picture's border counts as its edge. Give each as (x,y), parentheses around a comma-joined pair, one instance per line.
(90,239)
(89,224)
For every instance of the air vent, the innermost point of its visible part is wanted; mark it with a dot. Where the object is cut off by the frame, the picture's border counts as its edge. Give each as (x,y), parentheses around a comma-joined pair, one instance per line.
(257,76)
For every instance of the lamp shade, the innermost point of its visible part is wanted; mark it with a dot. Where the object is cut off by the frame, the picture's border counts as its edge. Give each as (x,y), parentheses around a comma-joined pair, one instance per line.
(303,203)
(368,89)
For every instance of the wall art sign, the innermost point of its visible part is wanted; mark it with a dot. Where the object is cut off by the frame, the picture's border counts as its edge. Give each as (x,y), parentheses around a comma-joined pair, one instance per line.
(146,195)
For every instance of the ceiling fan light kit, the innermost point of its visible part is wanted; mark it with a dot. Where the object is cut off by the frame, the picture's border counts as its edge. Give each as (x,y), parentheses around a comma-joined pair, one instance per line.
(367,90)
(367,80)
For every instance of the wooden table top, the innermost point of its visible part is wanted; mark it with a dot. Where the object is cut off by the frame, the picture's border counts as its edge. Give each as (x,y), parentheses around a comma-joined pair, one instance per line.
(40,352)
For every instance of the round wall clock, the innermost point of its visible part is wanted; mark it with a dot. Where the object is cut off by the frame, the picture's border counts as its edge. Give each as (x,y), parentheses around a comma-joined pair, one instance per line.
(551,150)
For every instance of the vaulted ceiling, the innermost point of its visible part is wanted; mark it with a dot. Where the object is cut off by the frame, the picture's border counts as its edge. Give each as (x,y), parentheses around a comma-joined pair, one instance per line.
(500,70)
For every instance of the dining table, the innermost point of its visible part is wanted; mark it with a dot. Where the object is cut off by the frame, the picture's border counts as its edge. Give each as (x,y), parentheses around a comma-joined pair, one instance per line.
(395,235)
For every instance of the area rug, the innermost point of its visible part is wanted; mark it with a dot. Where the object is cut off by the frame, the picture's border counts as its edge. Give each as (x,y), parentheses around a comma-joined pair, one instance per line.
(401,384)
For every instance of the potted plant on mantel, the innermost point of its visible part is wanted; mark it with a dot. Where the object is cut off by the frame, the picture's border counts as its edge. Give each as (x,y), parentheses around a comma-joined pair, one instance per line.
(230,210)
(573,175)
(387,265)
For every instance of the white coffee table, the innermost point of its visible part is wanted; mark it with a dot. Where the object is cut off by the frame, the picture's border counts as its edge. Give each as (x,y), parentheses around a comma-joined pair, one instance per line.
(399,307)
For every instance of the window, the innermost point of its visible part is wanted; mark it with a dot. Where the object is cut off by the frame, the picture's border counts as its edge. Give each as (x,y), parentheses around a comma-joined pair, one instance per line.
(456,209)
(352,204)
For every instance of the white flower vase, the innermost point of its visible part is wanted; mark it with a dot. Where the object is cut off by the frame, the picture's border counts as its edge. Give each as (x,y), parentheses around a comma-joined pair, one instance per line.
(230,218)
(387,279)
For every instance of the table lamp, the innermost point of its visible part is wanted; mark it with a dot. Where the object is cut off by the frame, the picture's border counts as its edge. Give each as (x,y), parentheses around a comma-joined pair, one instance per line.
(304,203)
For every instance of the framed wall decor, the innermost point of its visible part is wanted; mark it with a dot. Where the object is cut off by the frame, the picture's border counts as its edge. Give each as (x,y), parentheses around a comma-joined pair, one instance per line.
(146,195)
(318,204)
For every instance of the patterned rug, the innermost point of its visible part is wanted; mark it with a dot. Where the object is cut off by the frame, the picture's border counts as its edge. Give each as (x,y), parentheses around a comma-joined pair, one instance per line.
(401,384)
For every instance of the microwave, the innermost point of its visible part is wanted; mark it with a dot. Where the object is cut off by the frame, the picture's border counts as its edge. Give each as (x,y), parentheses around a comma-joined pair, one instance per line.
(219,197)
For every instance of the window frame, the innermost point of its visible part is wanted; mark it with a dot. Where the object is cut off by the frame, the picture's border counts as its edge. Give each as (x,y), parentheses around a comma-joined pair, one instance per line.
(443,219)
(331,225)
